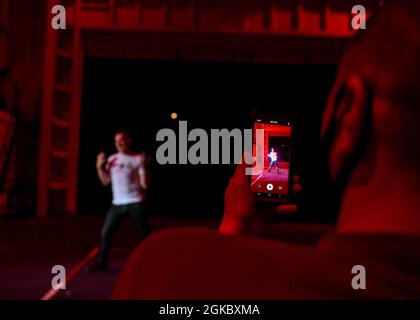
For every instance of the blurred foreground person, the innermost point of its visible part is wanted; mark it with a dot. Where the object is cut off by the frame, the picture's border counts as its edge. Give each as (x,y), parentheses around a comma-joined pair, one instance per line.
(370,133)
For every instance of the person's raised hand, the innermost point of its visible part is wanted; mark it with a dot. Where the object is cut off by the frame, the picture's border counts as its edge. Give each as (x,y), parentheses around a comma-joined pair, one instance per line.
(145,159)
(100,160)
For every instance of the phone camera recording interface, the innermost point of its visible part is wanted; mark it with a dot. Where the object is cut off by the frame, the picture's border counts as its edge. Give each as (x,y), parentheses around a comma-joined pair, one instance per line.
(272,182)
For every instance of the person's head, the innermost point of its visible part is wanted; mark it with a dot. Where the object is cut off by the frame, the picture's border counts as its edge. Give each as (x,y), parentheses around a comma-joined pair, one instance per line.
(371,123)
(272,149)
(122,141)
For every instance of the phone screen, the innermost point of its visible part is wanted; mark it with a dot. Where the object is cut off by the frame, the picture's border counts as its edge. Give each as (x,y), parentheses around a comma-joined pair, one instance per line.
(272,183)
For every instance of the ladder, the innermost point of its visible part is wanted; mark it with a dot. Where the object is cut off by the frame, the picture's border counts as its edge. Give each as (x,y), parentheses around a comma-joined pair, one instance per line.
(60,118)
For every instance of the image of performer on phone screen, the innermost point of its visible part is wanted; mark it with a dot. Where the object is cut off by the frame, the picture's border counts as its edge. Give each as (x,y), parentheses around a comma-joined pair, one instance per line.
(273,157)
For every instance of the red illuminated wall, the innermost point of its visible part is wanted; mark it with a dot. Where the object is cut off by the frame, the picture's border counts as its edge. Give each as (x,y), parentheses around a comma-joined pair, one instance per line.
(24,52)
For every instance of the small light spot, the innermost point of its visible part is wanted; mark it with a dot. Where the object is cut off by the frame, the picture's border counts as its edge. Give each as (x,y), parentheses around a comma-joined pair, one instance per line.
(174,116)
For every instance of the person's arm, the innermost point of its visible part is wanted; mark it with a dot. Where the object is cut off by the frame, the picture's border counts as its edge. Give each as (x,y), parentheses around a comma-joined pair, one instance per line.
(103,175)
(144,172)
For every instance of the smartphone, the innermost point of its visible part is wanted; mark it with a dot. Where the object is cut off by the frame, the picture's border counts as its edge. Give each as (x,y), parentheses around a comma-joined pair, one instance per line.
(271,179)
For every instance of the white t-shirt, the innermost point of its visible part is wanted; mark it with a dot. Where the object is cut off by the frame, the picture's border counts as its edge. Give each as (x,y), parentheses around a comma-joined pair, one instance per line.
(273,156)
(124,171)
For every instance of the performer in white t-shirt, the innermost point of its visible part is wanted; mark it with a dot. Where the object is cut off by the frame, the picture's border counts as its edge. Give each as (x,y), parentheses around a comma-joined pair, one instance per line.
(128,174)
(273,160)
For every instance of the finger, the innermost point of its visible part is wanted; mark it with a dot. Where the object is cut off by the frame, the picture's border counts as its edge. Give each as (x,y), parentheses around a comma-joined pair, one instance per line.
(239,172)
(247,158)
(240,176)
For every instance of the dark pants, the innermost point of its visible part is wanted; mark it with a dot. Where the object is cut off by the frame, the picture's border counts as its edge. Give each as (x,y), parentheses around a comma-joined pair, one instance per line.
(271,165)
(115,217)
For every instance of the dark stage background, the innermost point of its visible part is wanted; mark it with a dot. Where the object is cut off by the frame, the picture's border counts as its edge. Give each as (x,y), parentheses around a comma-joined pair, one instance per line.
(140,96)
